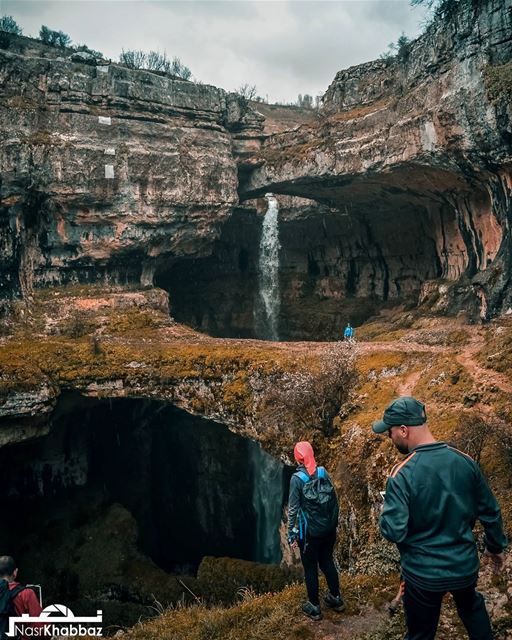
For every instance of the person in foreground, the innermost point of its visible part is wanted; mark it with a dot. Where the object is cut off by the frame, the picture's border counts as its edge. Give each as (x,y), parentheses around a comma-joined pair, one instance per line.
(15,599)
(312,520)
(432,501)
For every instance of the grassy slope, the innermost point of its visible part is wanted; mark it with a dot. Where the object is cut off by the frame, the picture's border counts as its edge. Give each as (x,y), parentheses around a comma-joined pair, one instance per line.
(460,372)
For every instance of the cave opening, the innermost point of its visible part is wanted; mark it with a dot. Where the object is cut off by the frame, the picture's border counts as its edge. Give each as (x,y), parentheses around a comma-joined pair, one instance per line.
(121,487)
(359,246)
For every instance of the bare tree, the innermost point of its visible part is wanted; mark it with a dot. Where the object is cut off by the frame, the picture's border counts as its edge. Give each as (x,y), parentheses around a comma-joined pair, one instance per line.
(305,101)
(247,91)
(133,59)
(154,61)
(311,397)
(180,70)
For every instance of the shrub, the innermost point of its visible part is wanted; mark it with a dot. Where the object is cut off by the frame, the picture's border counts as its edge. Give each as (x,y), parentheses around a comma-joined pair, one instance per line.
(471,435)
(5,40)
(9,25)
(311,398)
(498,80)
(225,579)
(154,61)
(477,432)
(54,38)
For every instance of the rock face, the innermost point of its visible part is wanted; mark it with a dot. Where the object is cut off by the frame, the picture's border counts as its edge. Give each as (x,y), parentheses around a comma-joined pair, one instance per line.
(110,174)
(107,171)
(415,153)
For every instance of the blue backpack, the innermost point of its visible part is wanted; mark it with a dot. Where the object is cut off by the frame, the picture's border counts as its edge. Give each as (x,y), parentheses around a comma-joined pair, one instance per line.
(319,504)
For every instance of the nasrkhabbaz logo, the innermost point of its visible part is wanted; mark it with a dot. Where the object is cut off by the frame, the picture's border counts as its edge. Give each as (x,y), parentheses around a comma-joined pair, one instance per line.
(56,620)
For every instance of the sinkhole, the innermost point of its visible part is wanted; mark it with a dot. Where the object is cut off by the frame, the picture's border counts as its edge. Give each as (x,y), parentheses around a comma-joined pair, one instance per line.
(120,488)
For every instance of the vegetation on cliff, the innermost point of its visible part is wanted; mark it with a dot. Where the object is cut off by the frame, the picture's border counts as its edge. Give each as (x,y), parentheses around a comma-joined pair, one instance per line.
(498,80)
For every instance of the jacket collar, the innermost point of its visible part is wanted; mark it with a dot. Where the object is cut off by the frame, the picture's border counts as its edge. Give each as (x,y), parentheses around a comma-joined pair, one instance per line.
(429,447)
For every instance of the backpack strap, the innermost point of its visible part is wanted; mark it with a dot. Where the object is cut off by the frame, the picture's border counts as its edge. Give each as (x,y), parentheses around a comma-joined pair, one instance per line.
(302,520)
(14,592)
(302,475)
(320,472)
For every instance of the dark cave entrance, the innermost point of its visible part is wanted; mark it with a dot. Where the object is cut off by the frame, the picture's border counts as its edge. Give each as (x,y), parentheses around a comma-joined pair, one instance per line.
(119,481)
(356,246)
(217,294)
(334,268)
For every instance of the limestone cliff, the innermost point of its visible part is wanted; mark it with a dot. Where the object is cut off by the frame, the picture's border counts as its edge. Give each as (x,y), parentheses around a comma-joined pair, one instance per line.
(415,153)
(105,170)
(402,187)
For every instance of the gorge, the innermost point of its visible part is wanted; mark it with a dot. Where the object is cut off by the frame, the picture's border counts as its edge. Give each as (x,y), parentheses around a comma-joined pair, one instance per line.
(142,339)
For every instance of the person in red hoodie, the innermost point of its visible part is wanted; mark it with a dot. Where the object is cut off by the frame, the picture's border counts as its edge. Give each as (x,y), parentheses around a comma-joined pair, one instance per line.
(23,599)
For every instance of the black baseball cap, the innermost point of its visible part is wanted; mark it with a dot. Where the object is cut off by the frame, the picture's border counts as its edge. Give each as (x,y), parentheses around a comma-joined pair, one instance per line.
(405,410)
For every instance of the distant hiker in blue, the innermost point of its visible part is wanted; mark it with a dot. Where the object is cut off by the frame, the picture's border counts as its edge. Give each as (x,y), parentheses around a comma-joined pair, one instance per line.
(312,521)
(348,334)
(433,499)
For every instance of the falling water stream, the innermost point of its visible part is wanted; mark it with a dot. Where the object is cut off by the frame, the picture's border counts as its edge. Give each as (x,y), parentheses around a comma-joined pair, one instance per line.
(267,502)
(268,272)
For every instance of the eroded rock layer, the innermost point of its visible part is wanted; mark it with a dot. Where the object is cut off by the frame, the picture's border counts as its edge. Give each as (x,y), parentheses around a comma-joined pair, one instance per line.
(416,154)
(105,170)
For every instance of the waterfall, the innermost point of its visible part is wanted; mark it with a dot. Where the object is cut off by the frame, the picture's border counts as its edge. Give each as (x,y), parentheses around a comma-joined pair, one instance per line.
(267,501)
(267,314)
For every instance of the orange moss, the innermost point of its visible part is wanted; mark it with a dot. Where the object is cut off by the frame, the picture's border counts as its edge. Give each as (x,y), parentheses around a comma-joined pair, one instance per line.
(271,615)
(299,152)
(360,111)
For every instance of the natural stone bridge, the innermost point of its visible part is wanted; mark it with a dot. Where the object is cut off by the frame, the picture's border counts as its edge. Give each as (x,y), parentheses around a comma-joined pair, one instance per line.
(413,155)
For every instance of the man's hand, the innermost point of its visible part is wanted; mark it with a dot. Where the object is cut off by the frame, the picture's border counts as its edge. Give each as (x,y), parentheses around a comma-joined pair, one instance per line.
(497,560)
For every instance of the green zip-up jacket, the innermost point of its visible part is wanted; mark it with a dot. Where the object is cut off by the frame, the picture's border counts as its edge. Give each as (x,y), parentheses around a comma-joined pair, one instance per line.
(433,499)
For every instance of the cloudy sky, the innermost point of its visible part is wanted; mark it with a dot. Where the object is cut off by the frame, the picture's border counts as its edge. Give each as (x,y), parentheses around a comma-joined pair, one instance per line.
(283,47)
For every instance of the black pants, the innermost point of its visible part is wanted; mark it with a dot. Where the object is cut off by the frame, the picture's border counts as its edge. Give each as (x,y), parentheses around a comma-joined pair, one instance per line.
(422,610)
(318,553)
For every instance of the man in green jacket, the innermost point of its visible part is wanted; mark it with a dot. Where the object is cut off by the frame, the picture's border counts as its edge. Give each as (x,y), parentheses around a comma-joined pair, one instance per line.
(432,501)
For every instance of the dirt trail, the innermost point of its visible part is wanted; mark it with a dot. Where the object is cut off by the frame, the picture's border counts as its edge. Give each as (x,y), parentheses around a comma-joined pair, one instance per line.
(407,386)
(481,375)
(464,354)
(340,627)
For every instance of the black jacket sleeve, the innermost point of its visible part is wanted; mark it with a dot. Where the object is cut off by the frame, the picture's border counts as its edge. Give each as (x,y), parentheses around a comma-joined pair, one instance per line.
(294,503)
(489,514)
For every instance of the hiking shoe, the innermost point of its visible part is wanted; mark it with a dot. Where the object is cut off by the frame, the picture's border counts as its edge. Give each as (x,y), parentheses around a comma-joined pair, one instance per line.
(334,602)
(311,611)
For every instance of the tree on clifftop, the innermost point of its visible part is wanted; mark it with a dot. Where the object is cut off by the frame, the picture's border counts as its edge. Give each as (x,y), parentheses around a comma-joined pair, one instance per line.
(9,25)
(54,38)
(154,61)
(401,49)
(247,91)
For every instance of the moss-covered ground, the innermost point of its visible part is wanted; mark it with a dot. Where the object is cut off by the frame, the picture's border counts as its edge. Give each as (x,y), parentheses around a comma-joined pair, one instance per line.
(87,338)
